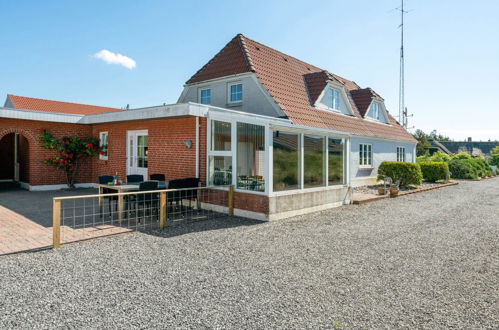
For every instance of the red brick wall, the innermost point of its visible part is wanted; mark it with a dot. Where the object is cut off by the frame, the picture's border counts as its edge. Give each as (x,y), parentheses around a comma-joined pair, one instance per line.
(39,173)
(167,152)
(251,202)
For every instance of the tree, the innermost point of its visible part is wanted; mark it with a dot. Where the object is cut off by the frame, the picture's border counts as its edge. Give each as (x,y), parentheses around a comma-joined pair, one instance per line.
(423,144)
(70,152)
(439,137)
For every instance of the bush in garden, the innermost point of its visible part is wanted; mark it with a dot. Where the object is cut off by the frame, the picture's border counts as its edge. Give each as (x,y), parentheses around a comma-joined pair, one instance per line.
(406,173)
(484,167)
(439,156)
(423,158)
(462,155)
(434,171)
(494,156)
(463,168)
(68,153)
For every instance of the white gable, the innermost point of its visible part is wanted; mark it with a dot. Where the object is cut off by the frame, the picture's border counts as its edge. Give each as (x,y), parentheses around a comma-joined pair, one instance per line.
(334,98)
(377,112)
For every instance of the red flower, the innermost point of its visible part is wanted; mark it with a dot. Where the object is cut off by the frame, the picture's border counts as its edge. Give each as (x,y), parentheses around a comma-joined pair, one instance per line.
(70,155)
(41,129)
(102,153)
(67,142)
(47,158)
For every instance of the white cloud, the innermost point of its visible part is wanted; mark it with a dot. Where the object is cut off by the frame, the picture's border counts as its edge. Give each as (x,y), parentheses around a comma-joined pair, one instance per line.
(115,58)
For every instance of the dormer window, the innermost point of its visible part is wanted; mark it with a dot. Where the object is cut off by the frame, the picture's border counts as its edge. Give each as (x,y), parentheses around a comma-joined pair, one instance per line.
(376,112)
(375,109)
(332,99)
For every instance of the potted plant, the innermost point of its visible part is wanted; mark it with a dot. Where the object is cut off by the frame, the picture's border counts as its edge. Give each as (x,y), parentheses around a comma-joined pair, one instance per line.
(382,191)
(394,189)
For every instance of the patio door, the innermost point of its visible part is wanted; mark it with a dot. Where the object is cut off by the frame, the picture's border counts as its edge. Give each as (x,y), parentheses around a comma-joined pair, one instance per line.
(137,153)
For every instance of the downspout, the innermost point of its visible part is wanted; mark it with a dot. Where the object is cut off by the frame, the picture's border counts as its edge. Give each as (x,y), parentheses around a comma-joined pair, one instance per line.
(197,147)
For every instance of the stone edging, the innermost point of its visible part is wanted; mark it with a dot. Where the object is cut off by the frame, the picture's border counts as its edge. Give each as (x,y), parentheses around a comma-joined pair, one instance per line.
(403,193)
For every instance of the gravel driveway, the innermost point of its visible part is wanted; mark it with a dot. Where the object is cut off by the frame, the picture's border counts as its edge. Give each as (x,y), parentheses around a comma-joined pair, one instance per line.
(427,260)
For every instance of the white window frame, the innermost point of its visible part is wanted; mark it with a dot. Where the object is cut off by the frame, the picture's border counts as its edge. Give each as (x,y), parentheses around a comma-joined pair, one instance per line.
(401,154)
(229,92)
(365,163)
(200,91)
(101,134)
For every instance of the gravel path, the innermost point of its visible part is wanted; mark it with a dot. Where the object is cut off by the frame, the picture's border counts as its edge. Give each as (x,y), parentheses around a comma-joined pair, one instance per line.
(427,260)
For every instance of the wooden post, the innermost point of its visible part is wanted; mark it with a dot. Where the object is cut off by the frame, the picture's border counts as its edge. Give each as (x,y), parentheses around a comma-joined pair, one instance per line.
(163,209)
(56,223)
(231,200)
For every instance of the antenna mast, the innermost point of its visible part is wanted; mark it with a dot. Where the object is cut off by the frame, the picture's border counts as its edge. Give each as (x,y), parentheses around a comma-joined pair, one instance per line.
(402,109)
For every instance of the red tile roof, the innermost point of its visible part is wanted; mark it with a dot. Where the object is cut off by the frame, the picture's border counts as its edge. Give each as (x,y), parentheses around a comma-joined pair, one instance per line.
(294,84)
(30,103)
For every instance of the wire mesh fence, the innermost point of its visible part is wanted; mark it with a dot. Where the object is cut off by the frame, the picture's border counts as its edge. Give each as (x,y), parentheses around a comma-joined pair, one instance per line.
(84,217)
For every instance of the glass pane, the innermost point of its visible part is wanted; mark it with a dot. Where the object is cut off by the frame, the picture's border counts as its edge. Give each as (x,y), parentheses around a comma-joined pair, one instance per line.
(220,136)
(335,151)
(313,161)
(220,170)
(286,161)
(250,157)
(236,93)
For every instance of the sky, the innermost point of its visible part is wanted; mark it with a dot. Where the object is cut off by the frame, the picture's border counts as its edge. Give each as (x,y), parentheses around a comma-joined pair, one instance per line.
(114,53)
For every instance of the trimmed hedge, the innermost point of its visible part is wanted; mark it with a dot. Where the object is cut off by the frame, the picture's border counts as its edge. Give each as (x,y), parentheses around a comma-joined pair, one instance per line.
(434,171)
(463,168)
(406,173)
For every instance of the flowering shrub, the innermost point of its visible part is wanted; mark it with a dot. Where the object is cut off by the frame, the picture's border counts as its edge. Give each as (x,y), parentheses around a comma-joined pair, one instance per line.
(69,153)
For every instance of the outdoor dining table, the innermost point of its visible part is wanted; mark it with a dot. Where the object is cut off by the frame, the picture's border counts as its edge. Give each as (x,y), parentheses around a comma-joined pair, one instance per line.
(122,188)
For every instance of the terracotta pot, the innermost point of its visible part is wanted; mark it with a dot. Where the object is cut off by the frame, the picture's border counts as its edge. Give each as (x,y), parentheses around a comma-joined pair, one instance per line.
(394,191)
(381,191)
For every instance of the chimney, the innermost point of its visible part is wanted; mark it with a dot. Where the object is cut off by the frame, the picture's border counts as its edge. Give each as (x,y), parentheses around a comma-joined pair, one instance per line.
(469,139)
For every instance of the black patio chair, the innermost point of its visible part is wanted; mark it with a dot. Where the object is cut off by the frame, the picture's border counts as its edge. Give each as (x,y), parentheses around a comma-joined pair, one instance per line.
(146,201)
(105,179)
(134,178)
(157,177)
(179,196)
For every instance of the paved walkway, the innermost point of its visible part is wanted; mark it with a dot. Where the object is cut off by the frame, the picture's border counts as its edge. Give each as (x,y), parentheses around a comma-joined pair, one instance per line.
(18,232)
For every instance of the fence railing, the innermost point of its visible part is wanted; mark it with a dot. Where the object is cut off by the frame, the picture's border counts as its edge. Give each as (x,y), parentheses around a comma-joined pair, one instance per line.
(89,216)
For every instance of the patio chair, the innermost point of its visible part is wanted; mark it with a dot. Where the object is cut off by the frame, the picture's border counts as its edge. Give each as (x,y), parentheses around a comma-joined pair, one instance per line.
(146,201)
(157,177)
(105,179)
(179,196)
(134,178)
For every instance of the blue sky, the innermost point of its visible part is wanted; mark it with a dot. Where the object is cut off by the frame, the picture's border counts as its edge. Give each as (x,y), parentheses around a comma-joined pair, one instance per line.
(452,50)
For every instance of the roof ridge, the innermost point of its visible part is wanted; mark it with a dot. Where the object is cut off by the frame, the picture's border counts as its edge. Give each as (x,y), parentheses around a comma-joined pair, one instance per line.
(278,51)
(245,51)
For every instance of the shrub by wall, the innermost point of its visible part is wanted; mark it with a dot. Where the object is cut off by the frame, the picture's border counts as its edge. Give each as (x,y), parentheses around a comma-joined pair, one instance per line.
(406,173)
(434,171)
(484,167)
(463,168)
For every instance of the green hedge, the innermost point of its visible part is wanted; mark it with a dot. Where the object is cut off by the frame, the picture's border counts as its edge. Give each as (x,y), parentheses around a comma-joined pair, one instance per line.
(483,167)
(406,173)
(463,168)
(434,171)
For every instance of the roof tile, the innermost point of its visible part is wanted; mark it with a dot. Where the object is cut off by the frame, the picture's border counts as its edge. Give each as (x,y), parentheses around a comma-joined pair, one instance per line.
(31,103)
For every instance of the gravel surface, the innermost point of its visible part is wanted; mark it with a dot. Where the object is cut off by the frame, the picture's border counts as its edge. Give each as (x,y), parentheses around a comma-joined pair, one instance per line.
(427,260)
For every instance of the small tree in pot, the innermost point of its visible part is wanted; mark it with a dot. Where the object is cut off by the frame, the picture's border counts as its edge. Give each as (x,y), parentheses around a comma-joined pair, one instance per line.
(70,152)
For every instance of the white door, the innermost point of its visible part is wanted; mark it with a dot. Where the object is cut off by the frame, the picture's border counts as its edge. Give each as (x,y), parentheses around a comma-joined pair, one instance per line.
(137,153)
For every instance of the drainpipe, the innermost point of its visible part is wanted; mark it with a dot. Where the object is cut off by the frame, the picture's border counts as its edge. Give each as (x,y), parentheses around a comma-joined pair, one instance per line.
(197,147)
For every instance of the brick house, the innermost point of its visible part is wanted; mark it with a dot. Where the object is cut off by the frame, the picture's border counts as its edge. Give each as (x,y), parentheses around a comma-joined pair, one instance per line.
(291,137)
